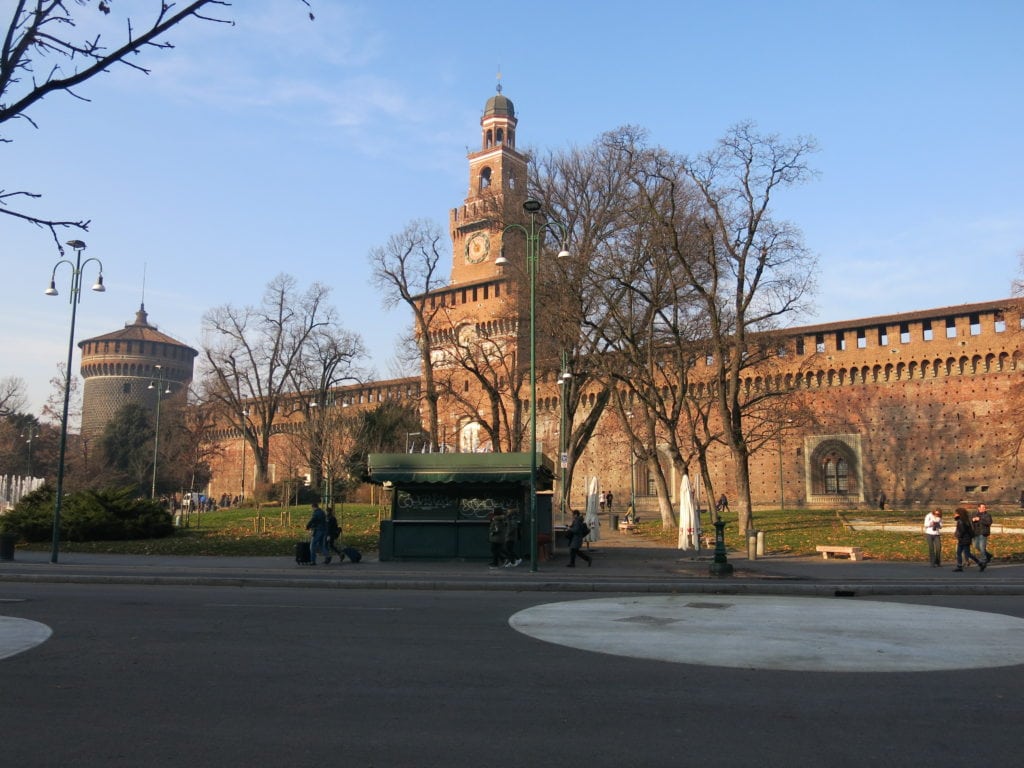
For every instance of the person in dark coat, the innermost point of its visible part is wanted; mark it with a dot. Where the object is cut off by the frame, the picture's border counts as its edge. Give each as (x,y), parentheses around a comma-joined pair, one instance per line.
(496,536)
(577,531)
(333,534)
(512,558)
(964,537)
(982,530)
(317,527)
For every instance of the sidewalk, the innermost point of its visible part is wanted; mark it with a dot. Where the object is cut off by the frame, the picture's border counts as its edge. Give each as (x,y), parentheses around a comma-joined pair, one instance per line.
(622,563)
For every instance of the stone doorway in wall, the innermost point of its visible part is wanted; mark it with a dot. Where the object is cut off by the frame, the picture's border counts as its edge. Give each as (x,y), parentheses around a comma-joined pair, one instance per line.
(834,470)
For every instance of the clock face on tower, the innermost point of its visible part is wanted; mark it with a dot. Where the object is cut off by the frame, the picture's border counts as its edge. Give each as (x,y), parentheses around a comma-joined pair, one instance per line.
(477,247)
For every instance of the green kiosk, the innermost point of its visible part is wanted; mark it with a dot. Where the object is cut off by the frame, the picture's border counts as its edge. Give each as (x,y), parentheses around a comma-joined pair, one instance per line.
(441,502)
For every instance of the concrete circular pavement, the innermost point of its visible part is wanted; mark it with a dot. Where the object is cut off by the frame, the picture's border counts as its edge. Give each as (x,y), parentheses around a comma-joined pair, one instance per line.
(780,633)
(17,635)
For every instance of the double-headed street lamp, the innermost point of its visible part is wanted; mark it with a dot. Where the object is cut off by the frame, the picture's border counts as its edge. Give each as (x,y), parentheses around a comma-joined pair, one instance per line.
(162,387)
(75,297)
(533,234)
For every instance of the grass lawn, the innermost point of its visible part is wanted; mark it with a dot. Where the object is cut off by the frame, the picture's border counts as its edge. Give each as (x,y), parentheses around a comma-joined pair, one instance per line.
(273,532)
(799,531)
(270,532)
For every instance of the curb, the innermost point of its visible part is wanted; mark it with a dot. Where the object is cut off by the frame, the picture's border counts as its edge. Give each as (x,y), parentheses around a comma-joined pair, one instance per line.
(774,586)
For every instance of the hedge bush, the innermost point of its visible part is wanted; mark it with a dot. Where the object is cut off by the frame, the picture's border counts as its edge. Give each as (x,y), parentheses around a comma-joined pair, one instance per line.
(110,514)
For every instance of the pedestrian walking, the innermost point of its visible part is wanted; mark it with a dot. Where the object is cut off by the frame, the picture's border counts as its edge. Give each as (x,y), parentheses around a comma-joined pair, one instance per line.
(932,531)
(964,538)
(578,530)
(982,530)
(512,559)
(333,534)
(317,527)
(496,537)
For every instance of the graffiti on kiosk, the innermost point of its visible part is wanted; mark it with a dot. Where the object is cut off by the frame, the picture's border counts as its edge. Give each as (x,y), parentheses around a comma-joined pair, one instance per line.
(428,502)
(472,508)
(478,508)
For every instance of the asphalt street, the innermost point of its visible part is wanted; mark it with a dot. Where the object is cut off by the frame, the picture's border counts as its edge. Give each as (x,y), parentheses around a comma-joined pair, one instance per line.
(161,675)
(643,659)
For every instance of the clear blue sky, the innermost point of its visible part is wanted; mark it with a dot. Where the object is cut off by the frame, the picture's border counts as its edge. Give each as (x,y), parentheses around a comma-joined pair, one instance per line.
(284,145)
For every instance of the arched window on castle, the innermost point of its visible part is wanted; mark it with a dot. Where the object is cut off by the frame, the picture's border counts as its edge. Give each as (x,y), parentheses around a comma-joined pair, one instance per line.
(836,474)
(485,178)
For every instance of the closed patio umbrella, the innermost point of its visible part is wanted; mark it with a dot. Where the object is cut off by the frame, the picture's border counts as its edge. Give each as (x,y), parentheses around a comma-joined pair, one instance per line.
(689,524)
(591,517)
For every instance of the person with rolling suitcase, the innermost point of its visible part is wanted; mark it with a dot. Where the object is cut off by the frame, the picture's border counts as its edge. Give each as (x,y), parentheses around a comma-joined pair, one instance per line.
(317,527)
(333,535)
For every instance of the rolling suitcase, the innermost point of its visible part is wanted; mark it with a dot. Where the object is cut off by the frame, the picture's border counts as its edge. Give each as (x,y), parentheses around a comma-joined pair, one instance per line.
(353,554)
(302,553)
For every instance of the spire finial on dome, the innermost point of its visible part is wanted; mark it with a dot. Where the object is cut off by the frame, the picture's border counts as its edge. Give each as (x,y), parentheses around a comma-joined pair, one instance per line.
(499,78)
(141,318)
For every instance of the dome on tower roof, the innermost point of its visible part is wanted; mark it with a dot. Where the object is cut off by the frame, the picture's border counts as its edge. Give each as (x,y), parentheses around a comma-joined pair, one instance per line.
(499,106)
(140,330)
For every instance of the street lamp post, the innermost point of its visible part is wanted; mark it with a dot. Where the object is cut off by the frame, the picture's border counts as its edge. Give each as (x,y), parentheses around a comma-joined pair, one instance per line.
(565,382)
(245,429)
(782,491)
(75,297)
(162,388)
(326,422)
(533,234)
(782,486)
(632,467)
(30,434)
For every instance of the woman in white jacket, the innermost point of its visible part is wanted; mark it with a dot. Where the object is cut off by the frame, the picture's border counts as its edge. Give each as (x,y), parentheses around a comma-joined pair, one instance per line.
(932,528)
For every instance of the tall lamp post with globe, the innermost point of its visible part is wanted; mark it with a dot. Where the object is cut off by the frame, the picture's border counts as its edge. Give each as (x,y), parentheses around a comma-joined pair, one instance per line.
(162,387)
(533,233)
(75,296)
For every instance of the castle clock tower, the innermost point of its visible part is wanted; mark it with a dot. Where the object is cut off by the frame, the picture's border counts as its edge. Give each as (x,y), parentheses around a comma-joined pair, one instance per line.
(497,189)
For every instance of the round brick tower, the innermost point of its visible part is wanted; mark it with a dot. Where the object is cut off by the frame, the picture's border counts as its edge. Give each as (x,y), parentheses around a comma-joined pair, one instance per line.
(118,368)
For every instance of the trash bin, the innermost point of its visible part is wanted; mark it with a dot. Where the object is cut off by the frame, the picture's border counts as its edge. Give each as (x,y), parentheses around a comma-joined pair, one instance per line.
(614,521)
(7,542)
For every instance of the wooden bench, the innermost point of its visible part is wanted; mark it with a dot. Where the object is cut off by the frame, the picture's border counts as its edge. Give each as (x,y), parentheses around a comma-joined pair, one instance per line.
(854,553)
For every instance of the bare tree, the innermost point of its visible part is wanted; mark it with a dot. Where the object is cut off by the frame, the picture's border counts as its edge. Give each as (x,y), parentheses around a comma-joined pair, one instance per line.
(41,55)
(406,270)
(485,353)
(586,188)
(332,358)
(750,271)
(53,409)
(256,356)
(12,396)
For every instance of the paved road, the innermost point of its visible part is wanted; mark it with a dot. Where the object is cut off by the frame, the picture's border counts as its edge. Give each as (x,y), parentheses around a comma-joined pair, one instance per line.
(171,675)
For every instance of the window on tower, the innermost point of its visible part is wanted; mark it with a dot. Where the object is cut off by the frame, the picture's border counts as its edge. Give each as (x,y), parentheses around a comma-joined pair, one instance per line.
(485,178)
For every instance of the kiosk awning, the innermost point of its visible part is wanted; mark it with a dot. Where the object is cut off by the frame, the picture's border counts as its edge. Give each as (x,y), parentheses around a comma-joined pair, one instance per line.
(416,468)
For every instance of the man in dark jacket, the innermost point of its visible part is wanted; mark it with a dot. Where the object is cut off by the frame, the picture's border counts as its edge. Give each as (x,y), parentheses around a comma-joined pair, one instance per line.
(578,529)
(982,529)
(317,527)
